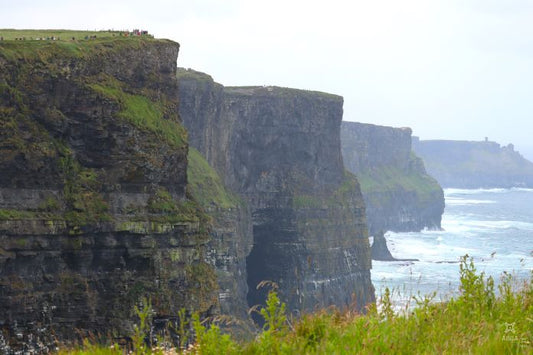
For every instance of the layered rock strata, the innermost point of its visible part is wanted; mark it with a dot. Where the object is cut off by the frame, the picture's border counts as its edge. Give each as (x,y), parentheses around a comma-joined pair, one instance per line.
(399,194)
(279,149)
(94,214)
(231,238)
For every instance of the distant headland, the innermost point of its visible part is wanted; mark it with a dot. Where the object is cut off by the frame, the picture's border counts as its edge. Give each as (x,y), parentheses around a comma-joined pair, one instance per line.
(474,164)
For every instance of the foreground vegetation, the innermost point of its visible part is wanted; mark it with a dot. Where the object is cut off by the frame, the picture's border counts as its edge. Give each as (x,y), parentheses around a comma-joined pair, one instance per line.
(484,319)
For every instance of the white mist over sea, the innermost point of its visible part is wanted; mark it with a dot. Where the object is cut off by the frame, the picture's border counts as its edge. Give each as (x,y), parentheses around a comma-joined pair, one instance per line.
(494,226)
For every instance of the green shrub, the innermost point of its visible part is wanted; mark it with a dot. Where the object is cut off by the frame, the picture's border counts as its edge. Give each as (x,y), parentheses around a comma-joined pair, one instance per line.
(205,184)
(142,330)
(211,340)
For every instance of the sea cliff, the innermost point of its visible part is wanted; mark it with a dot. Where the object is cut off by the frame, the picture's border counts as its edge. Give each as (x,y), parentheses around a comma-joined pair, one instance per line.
(399,194)
(471,164)
(94,209)
(279,150)
(103,206)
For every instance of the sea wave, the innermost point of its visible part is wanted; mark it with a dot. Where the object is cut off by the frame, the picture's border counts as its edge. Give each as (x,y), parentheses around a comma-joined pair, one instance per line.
(476,226)
(455,191)
(462,202)
(427,247)
(522,189)
(518,225)
(457,226)
(496,235)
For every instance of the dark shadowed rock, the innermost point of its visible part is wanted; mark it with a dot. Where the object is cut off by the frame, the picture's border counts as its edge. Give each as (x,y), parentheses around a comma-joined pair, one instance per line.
(379,249)
(279,149)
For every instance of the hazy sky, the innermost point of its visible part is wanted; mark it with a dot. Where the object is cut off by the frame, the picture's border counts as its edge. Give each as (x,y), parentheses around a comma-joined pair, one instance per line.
(449,69)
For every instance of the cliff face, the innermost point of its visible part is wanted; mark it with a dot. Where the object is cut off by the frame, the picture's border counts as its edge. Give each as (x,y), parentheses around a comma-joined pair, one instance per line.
(231,237)
(94,213)
(399,194)
(467,164)
(279,149)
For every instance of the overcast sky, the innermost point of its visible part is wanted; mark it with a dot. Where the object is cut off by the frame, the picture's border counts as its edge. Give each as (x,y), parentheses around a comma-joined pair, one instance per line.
(449,69)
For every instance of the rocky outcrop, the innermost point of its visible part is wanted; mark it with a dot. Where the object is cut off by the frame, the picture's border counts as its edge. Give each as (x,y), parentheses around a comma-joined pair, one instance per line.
(379,249)
(279,149)
(469,164)
(399,194)
(94,214)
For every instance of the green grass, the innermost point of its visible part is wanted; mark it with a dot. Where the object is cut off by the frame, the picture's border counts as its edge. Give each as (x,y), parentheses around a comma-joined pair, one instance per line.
(480,320)
(162,202)
(190,74)
(81,190)
(14,215)
(63,35)
(143,113)
(65,47)
(205,184)
(339,197)
(387,179)
(282,92)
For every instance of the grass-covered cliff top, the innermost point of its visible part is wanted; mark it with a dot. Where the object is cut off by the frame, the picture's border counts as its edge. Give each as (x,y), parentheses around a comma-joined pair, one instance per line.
(122,82)
(57,35)
(30,43)
(279,91)
(190,74)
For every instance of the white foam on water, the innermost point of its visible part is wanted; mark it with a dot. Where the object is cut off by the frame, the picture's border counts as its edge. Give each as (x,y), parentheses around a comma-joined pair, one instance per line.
(463,202)
(494,227)
(504,224)
(454,191)
(430,246)
(456,227)
(473,226)
(521,189)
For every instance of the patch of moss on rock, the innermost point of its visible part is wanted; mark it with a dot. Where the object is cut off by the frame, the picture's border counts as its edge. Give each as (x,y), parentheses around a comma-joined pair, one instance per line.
(205,184)
(142,112)
(327,199)
(162,202)
(7,214)
(386,179)
(81,191)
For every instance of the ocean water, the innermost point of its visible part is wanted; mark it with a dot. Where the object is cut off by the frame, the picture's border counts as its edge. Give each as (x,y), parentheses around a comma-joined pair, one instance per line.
(494,226)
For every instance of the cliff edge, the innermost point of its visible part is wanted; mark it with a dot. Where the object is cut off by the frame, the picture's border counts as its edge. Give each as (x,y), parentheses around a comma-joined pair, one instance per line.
(94,209)
(279,150)
(399,194)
